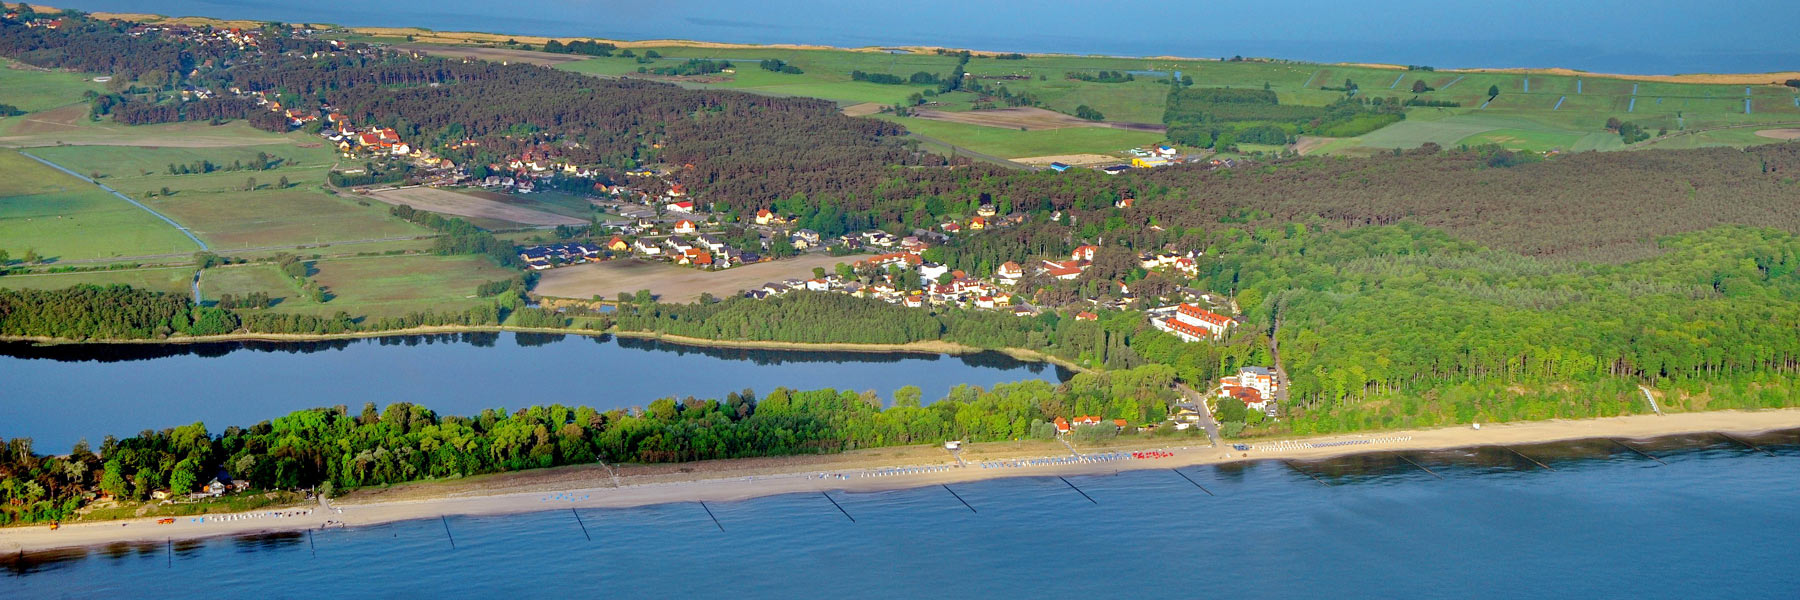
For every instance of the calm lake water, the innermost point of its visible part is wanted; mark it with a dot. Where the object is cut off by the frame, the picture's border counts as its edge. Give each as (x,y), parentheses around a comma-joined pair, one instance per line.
(1631,36)
(59,394)
(1716,520)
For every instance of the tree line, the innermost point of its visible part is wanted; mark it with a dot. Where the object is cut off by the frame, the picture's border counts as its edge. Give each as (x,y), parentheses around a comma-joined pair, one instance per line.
(339,449)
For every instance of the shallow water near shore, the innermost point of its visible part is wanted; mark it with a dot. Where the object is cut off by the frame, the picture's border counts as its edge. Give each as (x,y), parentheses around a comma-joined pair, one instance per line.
(1595,518)
(59,394)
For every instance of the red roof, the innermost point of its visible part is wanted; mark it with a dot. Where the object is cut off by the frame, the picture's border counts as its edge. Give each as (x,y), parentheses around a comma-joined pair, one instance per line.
(1119,422)
(699,257)
(1188,328)
(1062,424)
(1086,316)
(763,213)
(1203,314)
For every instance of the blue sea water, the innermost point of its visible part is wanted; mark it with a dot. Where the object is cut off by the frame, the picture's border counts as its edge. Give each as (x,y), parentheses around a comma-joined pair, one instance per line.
(1623,36)
(1716,520)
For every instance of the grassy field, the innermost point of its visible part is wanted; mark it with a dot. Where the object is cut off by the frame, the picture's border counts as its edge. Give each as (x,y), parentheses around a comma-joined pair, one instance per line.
(240,280)
(1012,143)
(1524,116)
(174,280)
(218,209)
(63,218)
(71,125)
(33,90)
(395,285)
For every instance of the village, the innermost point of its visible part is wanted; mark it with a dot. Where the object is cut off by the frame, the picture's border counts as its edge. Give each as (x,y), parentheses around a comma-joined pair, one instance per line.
(671,226)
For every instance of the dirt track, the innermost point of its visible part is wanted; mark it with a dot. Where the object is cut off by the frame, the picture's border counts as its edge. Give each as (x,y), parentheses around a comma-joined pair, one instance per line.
(466,205)
(1780,134)
(671,283)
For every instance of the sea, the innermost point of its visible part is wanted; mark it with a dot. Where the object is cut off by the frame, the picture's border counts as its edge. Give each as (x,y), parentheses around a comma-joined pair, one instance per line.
(1609,36)
(1695,516)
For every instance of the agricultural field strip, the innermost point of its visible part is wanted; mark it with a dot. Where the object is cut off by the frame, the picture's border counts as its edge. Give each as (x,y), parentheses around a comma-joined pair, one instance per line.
(183,229)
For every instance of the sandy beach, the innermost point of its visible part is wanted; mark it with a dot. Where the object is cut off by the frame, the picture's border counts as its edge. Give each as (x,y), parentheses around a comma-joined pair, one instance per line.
(909,467)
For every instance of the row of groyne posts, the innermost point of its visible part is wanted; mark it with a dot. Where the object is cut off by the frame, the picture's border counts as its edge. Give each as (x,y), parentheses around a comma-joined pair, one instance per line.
(450,537)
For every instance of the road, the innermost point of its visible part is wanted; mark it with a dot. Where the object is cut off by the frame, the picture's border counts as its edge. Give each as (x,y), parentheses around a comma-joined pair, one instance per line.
(1207,421)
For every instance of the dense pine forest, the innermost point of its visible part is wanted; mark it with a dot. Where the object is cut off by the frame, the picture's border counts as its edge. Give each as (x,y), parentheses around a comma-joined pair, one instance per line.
(341,449)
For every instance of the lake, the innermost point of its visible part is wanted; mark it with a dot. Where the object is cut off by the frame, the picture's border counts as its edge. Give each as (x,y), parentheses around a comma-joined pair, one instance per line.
(1716,520)
(1621,36)
(59,394)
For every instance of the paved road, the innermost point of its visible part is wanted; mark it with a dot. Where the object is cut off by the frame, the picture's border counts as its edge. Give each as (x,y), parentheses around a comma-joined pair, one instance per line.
(184,230)
(1207,421)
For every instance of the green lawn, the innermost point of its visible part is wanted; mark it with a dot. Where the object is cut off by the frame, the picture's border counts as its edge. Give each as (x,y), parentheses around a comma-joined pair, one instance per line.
(174,280)
(64,218)
(34,90)
(1009,143)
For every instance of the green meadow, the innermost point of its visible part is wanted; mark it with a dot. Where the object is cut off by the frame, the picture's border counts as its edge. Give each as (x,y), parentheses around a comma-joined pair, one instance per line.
(1012,143)
(218,208)
(173,280)
(34,90)
(1525,115)
(63,218)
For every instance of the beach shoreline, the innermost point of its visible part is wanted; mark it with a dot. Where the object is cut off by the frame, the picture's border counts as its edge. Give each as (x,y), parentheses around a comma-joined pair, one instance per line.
(592,491)
(465,38)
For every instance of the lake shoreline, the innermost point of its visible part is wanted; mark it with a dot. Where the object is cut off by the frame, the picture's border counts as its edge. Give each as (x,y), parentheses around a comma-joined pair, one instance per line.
(589,489)
(920,347)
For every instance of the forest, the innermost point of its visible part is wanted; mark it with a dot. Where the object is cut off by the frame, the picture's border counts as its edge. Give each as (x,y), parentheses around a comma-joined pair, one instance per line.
(337,449)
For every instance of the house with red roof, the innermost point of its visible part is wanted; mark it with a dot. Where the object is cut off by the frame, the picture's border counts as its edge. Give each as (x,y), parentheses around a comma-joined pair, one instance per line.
(1084,253)
(685,226)
(1192,323)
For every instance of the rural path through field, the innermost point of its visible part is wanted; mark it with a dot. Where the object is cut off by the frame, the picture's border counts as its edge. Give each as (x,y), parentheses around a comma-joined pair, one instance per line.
(166,219)
(142,257)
